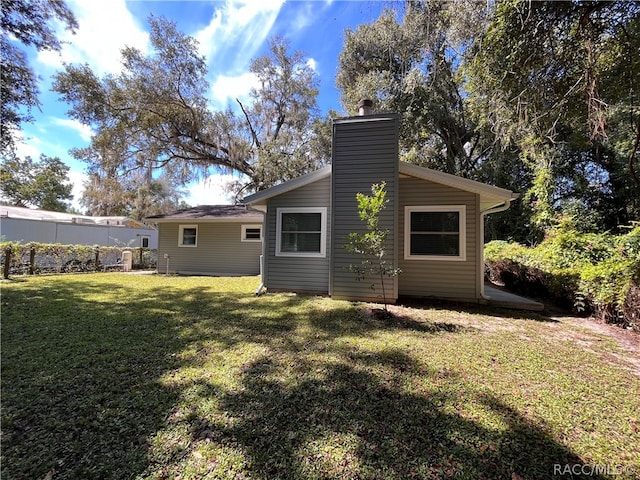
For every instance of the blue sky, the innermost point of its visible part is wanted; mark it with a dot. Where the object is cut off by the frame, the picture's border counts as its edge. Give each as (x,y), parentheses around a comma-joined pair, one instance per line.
(231,34)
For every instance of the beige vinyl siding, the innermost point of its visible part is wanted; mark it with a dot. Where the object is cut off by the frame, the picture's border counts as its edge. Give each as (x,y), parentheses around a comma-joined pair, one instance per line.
(441,278)
(297,274)
(365,151)
(220,250)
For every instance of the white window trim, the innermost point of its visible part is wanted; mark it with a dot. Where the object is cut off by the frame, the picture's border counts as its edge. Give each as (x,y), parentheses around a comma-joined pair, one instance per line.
(461,209)
(323,231)
(181,229)
(244,238)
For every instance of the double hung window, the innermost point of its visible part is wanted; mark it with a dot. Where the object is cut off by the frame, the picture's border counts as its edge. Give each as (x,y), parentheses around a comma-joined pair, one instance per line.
(188,236)
(301,232)
(435,232)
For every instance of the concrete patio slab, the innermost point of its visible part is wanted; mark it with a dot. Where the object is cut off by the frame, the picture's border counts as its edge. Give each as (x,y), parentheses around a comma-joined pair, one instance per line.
(501,298)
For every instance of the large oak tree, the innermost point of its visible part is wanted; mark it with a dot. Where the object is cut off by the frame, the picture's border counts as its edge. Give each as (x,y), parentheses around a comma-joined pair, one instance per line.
(559,83)
(538,97)
(154,117)
(408,62)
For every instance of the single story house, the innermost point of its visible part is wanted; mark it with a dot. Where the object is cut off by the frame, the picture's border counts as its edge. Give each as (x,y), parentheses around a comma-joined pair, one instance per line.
(30,225)
(435,220)
(219,240)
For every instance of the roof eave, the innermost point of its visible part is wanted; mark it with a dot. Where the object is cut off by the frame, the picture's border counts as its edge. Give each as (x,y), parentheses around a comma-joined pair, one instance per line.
(490,196)
(487,204)
(261,197)
(253,219)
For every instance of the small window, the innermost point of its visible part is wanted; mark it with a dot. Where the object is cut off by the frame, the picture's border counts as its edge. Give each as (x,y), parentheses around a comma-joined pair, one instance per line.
(251,233)
(301,232)
(435,233)
(145,242)
(188,236)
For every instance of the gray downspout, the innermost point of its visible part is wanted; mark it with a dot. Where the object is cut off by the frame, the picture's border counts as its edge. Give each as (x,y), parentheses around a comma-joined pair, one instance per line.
(263,254)
(261,287)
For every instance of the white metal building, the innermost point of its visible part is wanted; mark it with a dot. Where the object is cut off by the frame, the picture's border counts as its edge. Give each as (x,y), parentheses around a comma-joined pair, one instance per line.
(29,225)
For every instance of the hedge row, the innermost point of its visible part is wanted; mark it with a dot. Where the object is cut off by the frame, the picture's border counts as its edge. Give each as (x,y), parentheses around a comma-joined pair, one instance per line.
(591,273)
(36,257)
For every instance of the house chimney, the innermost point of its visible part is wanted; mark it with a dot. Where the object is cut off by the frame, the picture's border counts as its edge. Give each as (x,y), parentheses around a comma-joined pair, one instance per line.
(364,152)
(365,107)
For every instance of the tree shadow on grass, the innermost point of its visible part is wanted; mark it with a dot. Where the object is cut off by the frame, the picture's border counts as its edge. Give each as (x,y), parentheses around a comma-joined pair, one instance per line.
(83,392)
(476,309)
(351,423)
(82,379)
(80,391)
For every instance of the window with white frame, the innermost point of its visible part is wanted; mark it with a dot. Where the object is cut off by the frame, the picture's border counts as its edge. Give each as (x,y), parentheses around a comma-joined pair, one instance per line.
(435,232)
(251,233)
(188,236)
(301,232)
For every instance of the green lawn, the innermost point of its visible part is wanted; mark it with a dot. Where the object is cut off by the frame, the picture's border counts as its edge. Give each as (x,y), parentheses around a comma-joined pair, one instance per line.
(116,376)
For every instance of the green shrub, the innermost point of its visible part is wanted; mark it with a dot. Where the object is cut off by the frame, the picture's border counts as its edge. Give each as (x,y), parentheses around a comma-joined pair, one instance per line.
(593,273)
(62,258)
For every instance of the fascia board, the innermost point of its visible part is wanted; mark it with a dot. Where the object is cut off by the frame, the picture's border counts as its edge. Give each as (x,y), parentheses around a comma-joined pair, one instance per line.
(261,197)
(489,194)
(246,220)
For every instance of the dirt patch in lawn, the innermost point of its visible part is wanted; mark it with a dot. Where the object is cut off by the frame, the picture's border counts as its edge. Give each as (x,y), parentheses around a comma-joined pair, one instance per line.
(588,331)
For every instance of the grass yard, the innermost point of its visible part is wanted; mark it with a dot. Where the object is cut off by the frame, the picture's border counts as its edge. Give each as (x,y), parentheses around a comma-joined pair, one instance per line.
(116,376)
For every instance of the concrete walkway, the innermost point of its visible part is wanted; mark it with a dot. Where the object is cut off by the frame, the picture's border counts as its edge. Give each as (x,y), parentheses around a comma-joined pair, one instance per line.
(500,298)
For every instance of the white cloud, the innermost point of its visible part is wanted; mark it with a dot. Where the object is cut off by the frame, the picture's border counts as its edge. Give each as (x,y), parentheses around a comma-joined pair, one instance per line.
(211,191)
(233,37)
(312,64)
(226,89)
(240,25)
(28,148)
(104,28)
(78,180)
(81,129)
(304,17)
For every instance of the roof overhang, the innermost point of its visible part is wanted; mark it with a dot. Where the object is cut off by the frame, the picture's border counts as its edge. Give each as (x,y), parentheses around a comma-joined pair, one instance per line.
(210,214)
(255,220)
(260,198)
(490,196)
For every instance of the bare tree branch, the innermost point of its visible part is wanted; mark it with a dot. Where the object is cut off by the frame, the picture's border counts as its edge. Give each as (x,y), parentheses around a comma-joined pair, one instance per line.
(253,132)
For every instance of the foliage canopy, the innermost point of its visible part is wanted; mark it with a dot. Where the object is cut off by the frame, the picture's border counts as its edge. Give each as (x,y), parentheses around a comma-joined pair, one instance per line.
(42,184)
(155,116)
(538,97)
(24,23)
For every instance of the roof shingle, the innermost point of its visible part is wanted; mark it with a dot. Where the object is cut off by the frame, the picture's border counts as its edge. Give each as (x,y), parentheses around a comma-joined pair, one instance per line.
(210,212)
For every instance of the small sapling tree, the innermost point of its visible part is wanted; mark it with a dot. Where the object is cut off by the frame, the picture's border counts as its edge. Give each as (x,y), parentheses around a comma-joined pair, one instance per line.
(371,244)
